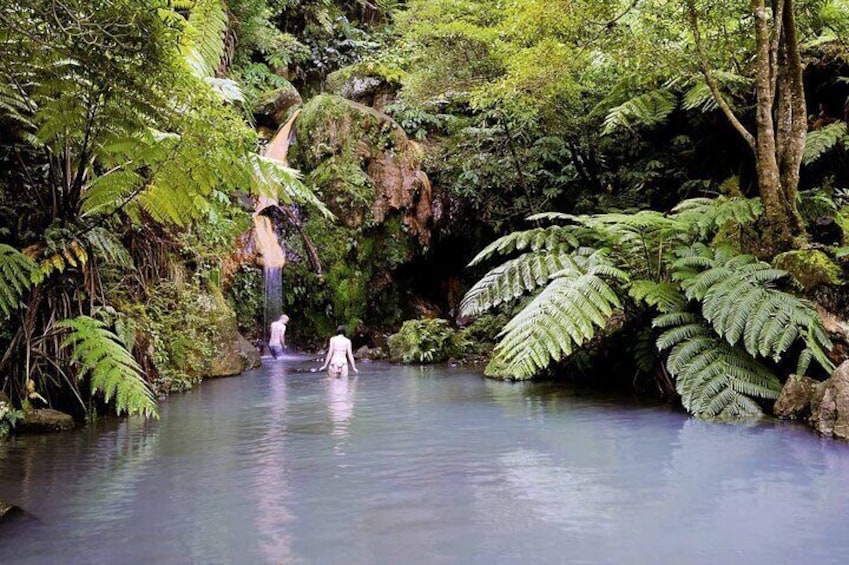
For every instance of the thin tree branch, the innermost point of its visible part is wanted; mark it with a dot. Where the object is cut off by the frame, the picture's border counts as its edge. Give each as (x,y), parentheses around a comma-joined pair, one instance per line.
(711,82)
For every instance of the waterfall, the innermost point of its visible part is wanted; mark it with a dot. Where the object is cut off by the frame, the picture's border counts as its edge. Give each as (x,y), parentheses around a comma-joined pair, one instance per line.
(265,236)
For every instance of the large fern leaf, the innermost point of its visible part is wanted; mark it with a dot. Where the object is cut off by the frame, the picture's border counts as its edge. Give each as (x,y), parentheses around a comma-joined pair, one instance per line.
(738,298)
(715,379)
(707,215)
(17,273)
(515,278)
(202,42)
(536,239)
(821,141)
(562,317)
(648,109)
(112,370)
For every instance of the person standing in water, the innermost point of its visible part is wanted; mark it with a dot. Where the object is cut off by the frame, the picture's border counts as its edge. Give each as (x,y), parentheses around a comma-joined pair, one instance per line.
(277,341)
(338,355)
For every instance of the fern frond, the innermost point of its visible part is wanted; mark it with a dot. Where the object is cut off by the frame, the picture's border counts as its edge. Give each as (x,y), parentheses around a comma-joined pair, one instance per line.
(551,237)
(648,109)
(202,42)
(739,299)
(106,246)
(821,141)
(515,278)
(112,370)
(715,379)
(559,319)
(663,296)
(275,180)
(17,273)
(706,215)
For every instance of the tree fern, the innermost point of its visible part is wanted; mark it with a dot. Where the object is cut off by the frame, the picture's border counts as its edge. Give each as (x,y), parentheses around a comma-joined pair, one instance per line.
(738,298)
(648,109)
(715,379)
(517,277)
(563,316)
(821,141)
(100,354)
(17,273)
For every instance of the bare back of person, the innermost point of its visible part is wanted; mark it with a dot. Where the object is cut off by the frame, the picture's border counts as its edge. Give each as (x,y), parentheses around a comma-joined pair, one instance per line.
(339,354)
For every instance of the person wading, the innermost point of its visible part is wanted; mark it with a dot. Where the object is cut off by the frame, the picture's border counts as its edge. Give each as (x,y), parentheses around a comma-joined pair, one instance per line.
(339,354)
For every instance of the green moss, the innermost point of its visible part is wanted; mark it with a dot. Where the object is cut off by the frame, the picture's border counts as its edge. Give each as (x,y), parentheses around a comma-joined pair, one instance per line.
(812,268)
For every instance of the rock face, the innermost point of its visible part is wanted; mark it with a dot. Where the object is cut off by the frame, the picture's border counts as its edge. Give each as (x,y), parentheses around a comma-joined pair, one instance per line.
(363,84)
(235,354)
(825,405)
(830,405)
(364,164)
(794,403)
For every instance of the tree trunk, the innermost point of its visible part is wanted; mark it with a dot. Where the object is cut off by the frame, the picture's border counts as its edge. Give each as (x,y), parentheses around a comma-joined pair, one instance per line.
(781,118)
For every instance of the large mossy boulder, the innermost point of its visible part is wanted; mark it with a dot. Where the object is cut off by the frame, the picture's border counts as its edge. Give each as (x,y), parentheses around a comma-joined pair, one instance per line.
(811,267)
(363,164)
(41,420)
(232,353)
(368,172)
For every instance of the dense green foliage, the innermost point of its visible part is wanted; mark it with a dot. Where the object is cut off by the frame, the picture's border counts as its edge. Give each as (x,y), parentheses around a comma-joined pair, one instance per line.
(721,312)
(117,168)
(664,152)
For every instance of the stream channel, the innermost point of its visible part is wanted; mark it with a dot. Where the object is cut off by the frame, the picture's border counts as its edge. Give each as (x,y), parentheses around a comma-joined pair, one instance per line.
(421,465)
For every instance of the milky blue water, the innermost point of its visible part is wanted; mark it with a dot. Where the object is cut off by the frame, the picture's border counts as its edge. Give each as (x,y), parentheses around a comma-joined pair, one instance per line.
(422,465)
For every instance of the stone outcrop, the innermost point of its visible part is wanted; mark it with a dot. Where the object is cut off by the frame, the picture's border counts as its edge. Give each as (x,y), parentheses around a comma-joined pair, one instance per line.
(235,354)
(825,405)
(830,405)
(364,164)
(40,420)
(794,402)
(364,84)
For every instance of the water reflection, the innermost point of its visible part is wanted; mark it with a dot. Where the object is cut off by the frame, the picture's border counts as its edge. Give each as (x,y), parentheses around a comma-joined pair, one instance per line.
(270,479)
(340,403)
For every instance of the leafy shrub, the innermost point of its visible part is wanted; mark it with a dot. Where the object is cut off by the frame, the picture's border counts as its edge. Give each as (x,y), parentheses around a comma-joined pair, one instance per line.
(426,341)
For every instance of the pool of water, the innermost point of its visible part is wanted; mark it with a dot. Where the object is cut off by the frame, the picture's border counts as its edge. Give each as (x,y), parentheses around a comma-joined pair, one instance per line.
(421,465)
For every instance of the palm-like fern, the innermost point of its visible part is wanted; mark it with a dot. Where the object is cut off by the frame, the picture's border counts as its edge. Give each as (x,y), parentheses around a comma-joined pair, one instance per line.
(648,109)
(100,354)
(821,141)
(202,41)
(720,312)
(576,300)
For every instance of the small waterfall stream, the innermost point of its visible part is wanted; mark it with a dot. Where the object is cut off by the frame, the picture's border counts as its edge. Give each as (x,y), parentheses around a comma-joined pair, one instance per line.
(265,236)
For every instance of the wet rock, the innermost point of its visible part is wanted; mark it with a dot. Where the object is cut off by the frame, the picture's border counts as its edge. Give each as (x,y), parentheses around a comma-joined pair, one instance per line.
(830,405)
(40,420)
(233,353)
(273,108)
(794,402)
(811,267)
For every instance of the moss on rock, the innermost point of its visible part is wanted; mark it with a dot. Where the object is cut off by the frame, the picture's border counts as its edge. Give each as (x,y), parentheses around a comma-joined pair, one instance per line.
(811,267)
